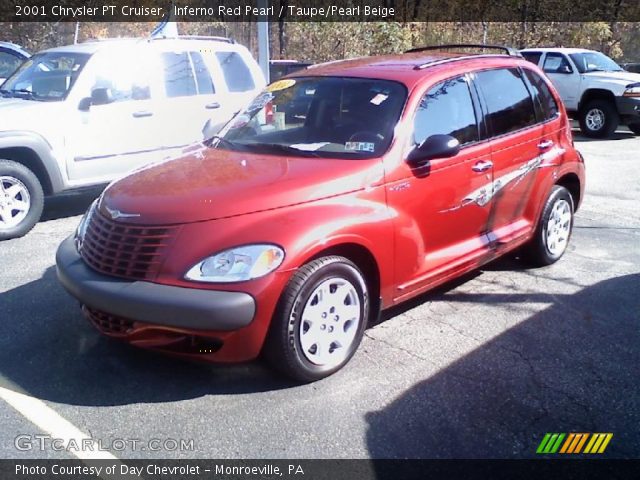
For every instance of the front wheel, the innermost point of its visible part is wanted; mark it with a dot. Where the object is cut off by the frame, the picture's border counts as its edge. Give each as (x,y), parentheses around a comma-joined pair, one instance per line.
(554,229)
(599,119)
(320,319)
(21,200)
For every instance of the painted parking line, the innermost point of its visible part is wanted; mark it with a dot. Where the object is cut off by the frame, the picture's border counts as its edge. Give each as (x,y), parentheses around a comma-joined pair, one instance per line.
(52,423)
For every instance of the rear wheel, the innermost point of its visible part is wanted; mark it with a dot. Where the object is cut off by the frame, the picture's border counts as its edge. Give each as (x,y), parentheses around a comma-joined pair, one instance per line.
(320,319)
(599,119)
(554,229)
(21,200)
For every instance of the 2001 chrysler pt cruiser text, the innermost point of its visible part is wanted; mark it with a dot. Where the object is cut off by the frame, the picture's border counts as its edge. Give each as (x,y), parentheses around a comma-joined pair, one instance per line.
(340,191)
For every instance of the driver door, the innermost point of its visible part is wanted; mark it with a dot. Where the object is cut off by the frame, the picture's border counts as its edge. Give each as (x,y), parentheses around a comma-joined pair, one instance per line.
(564,77)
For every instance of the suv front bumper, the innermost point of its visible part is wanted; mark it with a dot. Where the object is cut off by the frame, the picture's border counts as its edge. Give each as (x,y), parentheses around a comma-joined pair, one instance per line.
(185,308)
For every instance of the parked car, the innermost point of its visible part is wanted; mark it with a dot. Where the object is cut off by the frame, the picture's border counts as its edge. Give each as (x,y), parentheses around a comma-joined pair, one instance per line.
(82,115)
(631,67)
(594,88)
(288,236)
(11,56)
(282,68)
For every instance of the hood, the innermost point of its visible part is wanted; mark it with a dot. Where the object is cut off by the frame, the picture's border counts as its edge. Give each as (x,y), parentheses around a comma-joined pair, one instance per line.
(623,77)
(209,184)
(21,114)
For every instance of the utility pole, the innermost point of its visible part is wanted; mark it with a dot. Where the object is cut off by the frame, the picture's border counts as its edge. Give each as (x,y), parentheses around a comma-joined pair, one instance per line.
(263,39)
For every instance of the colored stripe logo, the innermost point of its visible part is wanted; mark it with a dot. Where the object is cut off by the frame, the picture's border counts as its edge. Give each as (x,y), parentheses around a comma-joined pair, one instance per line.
(574,443)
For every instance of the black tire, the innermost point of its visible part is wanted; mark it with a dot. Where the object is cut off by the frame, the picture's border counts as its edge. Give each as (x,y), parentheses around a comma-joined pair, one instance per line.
(635,128)
(17,171)
(537,252)
(610,123)
(283,348)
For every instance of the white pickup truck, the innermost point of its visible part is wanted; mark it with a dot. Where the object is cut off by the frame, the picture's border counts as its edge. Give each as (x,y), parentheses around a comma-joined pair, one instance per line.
(595,89)
(83,115)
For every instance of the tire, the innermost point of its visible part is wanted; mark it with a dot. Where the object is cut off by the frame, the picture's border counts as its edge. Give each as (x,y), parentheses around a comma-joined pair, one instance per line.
(599,119)
(18,186)
(301,343)
(635,128)
(557,213)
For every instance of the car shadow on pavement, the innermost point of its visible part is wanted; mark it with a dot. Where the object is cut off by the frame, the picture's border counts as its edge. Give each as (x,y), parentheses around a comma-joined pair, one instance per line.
(618,135)
(69,204)
(49,350)
(573,367)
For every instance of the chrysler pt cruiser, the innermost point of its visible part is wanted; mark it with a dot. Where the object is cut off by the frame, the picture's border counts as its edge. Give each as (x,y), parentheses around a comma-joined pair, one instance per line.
(339,192)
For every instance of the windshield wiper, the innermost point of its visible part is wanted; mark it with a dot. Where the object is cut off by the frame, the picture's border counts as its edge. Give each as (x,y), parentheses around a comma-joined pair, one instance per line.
(280,148)
(23,93)
(5,93)
(221,140)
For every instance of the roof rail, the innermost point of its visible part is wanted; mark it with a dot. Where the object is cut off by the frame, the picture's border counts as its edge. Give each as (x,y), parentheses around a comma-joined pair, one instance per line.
(512,52)
(197,37)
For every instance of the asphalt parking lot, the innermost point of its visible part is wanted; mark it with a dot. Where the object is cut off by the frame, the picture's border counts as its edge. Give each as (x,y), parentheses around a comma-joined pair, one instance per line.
(482,368)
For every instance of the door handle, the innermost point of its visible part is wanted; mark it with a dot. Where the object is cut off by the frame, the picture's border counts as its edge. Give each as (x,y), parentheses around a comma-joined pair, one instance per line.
(142,113)
(212,106)
(546,144)
(482,166)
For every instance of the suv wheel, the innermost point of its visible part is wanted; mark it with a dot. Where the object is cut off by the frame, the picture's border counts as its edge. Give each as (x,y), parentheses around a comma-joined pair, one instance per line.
(21,199)
(554,229)
(634,127)
(320,319)
(599,119)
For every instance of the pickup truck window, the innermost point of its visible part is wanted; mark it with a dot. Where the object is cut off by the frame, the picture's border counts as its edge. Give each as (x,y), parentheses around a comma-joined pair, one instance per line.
(594,62)
(556,63)
(533,57)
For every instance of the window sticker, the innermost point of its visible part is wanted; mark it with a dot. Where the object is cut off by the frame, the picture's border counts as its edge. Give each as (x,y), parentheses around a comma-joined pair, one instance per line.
(379,98)
(281,85)
(360,146)
(309,147)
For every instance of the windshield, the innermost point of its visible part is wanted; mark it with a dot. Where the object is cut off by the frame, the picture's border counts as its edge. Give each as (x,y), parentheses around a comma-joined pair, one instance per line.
(594,62)
(330,117)
(45,76)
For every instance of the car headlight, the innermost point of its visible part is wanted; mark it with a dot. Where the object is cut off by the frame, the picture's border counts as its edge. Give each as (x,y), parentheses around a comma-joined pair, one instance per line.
(237,264)
(81,231)
(632,90)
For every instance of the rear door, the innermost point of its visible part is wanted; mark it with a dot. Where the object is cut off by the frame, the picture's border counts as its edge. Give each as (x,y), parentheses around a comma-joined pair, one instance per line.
(517,142)
(442,207)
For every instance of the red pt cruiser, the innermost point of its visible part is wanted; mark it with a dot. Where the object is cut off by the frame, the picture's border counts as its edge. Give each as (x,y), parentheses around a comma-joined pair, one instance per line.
(341,191)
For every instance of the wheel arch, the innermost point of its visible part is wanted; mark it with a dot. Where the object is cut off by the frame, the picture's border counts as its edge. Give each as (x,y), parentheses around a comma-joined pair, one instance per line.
(596,93)
(30,159)
(571,182)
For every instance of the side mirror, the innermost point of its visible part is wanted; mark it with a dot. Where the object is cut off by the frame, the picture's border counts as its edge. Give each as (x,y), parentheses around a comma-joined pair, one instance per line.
(565,69)
(435,146)
(101,96)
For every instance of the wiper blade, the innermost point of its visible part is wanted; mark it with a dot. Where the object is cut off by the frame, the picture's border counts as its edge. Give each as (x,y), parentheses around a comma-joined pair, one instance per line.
(220,140)
(5,93)
(280,148)
(23,93)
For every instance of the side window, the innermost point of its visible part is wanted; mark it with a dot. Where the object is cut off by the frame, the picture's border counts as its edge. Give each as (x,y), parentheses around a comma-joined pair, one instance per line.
(178,75)
(203,77)
(8,63)
(236,73)
(447,109)
(542,95)
(509,105)
(125,74)
(533,57)
(556,63)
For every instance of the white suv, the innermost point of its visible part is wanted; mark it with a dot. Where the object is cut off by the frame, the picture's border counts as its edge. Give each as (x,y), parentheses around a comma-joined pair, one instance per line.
(85,114)
(594,88)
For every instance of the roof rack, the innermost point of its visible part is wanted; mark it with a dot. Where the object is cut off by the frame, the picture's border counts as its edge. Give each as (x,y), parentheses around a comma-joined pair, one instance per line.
(196,37)
(512,52)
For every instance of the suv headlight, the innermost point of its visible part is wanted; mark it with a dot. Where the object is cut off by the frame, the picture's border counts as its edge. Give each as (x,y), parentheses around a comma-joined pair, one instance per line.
(237,264)
(81,231)
(632,90)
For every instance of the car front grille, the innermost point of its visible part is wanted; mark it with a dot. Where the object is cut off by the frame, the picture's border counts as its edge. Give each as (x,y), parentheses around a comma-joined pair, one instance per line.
(107,323)
(123,250)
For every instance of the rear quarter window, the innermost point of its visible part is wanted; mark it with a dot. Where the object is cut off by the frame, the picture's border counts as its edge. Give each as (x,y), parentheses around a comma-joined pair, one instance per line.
(533,57)
(508,103)
(236,72)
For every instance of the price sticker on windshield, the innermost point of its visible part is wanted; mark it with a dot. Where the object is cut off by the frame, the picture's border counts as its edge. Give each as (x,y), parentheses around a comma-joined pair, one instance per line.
(281,85)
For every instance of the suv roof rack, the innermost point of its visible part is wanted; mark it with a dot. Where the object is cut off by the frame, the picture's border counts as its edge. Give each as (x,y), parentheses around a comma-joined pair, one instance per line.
(512,52)
(508,51)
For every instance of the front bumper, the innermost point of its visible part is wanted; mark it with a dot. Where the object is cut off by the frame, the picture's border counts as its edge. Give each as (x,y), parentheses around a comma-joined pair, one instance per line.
(629,107)
(152,303)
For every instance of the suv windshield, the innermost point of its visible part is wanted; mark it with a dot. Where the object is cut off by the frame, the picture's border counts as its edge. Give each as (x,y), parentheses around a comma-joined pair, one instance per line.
(45,76)
(594,62)
(331,117)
